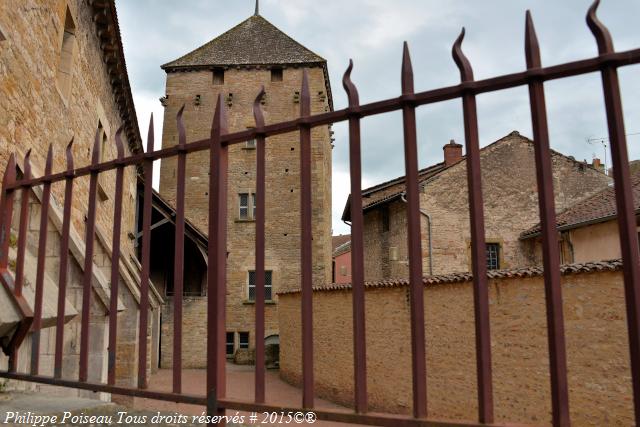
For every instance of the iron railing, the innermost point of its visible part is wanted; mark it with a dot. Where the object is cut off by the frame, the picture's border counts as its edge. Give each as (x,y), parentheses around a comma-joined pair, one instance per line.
(606,63)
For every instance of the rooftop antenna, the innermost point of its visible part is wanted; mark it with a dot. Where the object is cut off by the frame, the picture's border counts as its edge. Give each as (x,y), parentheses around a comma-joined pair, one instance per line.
(257,12)
(602,141)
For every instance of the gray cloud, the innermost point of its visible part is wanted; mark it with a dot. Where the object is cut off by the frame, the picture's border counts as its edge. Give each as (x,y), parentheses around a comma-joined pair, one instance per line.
(372,31)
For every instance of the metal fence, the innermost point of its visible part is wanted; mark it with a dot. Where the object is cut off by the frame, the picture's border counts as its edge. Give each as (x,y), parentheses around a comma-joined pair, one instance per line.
(606,63)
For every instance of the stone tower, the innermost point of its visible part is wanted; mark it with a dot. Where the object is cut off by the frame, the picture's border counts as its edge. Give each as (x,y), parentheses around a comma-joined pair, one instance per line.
(236,64)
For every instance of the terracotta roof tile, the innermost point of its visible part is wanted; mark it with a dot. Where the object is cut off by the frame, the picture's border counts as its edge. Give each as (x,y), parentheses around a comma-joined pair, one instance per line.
(339,240)
(599,207)
(587,267)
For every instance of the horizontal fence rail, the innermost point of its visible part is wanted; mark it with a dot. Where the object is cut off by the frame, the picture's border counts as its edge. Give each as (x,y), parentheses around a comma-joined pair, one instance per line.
(606,63)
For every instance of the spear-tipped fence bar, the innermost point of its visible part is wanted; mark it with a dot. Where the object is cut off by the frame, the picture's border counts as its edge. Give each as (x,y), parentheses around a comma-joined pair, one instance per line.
(260,249)
(178,274)
(534,77)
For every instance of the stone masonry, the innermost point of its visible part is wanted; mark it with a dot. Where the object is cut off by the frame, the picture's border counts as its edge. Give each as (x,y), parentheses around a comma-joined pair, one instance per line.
(239,90)
(510,207)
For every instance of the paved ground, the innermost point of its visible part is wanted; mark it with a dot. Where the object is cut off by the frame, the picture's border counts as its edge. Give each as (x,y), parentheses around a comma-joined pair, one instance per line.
(240,380)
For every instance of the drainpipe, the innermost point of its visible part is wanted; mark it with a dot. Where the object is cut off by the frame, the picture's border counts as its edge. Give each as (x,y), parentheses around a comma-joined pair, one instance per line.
(403,198)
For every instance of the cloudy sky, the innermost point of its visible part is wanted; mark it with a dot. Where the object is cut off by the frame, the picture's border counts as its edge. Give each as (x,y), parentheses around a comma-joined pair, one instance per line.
(372,31)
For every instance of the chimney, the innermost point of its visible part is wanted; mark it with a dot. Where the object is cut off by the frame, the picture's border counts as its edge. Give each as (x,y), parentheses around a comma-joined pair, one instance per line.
(452,153)
(597,165)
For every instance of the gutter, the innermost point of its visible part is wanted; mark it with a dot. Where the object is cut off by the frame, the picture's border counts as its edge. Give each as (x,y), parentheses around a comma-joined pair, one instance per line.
(403,198)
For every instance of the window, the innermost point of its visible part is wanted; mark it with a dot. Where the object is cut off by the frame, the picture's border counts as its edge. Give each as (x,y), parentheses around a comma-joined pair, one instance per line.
(343,270)
(218,76)
(244,340)
(385,218)
(276,74)
(493,256)
(243,206)
(66,55)
(251,144)
(267,285)
(230,343)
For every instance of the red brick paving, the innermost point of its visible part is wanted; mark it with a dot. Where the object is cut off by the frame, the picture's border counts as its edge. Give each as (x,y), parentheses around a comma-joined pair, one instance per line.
(239,386)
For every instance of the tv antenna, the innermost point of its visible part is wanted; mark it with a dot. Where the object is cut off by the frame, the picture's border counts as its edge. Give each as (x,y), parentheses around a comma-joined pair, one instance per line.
(604,141)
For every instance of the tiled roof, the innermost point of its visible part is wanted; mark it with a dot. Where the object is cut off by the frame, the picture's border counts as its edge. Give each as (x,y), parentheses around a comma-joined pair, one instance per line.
(342,249)
(587,267)
(389,190)
(597,208)
(339,240)
(254,41)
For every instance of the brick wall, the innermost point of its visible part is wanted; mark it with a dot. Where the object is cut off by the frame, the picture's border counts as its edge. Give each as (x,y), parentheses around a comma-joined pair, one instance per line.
(282,182)
(510,207)
(596,335)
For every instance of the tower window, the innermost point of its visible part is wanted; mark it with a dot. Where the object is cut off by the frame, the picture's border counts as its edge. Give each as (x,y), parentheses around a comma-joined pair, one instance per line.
(276,74)
(66,55)
(268,286)
(218,76)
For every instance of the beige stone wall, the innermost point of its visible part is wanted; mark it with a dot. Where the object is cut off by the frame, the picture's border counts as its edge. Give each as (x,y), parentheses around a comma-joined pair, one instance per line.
(595,242)
(596,335)
(510,207)
(282,182)
(36,109)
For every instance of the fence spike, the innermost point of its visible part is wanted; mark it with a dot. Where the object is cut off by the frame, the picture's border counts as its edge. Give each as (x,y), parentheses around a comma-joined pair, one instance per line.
(150,136)
(349,87)
(48,166)
(182,133)
(27,163)
(466,72)
(258,115)
(95,157)
(119,144)
(407,71)
(599,30)
(531,46)
(69,155)
(305,95)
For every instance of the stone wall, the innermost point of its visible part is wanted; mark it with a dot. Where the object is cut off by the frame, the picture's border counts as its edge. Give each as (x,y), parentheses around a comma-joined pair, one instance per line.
(37,110)
(596,336)
(282,183)
(510,207)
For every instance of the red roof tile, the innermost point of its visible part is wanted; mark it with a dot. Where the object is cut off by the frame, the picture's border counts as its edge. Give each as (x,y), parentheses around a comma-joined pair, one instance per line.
(587,267)
(597,208)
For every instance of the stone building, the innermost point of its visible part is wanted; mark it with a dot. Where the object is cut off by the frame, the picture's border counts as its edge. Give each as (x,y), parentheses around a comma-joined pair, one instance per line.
(341,259)
(510,207)
(236,64)
(588,229)
(63,76)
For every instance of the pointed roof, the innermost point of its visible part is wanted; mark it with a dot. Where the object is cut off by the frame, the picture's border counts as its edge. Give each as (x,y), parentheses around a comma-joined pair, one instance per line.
(254,41)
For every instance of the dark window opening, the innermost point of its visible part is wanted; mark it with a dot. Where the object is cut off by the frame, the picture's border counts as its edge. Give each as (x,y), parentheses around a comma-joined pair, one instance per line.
(385,218)
(244,340)
(267,285)
(66,55)
(230,343)
(218,76)
(493,256)
(276,74)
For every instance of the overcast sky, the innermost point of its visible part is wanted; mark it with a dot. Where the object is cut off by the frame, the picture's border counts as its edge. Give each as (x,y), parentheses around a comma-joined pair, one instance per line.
(372,31)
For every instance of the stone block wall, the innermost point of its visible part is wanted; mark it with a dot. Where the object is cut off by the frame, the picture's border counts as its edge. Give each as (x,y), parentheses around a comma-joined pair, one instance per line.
(596,337)
(38,111)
